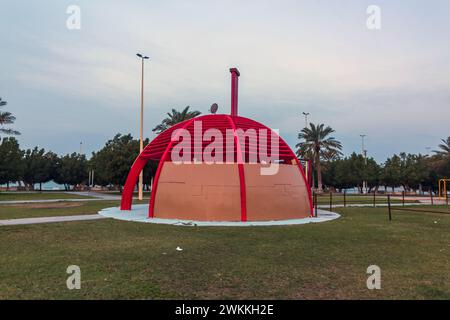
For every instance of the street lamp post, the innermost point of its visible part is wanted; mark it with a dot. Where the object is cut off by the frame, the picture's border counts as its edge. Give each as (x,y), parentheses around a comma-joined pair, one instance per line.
(306,114)
(364,154)
(141,141)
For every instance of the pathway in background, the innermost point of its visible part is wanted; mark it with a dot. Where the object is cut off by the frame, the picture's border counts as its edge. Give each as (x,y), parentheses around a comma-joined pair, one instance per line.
(13,222)
(48,200)
(98,195)
(325,206)
(423,200)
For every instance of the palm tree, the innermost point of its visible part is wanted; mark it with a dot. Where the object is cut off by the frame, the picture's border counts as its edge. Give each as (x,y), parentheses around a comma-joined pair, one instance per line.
(6,118)
(175,117)
(445,146)
(318,145)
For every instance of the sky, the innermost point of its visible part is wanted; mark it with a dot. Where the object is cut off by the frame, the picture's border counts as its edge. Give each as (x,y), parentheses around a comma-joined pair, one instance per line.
(70,85)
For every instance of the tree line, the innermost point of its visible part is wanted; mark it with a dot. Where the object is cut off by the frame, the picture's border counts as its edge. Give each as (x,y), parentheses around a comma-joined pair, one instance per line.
(110,164)
(413,172)
(36,166)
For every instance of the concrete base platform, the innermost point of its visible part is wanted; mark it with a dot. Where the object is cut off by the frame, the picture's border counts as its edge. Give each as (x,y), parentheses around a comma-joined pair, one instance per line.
(139,213)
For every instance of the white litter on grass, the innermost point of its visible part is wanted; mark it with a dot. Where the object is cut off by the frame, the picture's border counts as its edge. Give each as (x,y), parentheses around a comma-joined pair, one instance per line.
(179,249)
(139,213)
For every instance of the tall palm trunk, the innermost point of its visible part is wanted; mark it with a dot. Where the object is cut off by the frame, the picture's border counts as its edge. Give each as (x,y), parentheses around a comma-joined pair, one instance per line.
(319,173)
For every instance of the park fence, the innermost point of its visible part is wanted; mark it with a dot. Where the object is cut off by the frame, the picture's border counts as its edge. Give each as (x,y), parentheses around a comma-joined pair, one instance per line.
(393,201)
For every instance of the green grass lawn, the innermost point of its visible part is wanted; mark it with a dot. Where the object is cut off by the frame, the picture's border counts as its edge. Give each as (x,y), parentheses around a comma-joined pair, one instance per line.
(10,196)
(316,261)
(33,210)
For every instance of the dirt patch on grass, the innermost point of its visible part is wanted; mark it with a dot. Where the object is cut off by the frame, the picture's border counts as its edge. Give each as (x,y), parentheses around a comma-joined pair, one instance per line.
(54,205)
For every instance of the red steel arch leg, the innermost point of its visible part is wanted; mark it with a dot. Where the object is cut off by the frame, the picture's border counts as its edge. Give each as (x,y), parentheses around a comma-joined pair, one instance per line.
(240,164)
(308,187)
(151,209)
(133,175)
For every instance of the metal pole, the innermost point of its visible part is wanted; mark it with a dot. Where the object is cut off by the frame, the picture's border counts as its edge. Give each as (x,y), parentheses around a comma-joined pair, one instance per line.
(374,199)
(445,190)
(345,198)
(315,196)
(403,198)
(141,142)
(141,133)
(389,207)
(431,195)
(331,201)
(365,160)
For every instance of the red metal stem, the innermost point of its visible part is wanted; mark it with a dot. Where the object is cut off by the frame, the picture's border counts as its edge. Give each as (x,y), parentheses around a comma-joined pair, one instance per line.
(234,91)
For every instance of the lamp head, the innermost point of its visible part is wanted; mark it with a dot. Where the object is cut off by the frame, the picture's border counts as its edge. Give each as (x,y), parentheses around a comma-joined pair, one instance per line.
(142,56)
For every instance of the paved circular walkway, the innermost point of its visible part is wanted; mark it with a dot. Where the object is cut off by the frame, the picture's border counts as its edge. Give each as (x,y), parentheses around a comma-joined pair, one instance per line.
(139,213)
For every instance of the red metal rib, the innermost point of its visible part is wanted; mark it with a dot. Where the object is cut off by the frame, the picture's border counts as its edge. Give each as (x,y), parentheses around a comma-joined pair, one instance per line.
(241,171)
(160,166)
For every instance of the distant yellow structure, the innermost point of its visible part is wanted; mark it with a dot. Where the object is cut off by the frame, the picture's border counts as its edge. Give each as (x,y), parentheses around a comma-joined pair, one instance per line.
(443,187)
